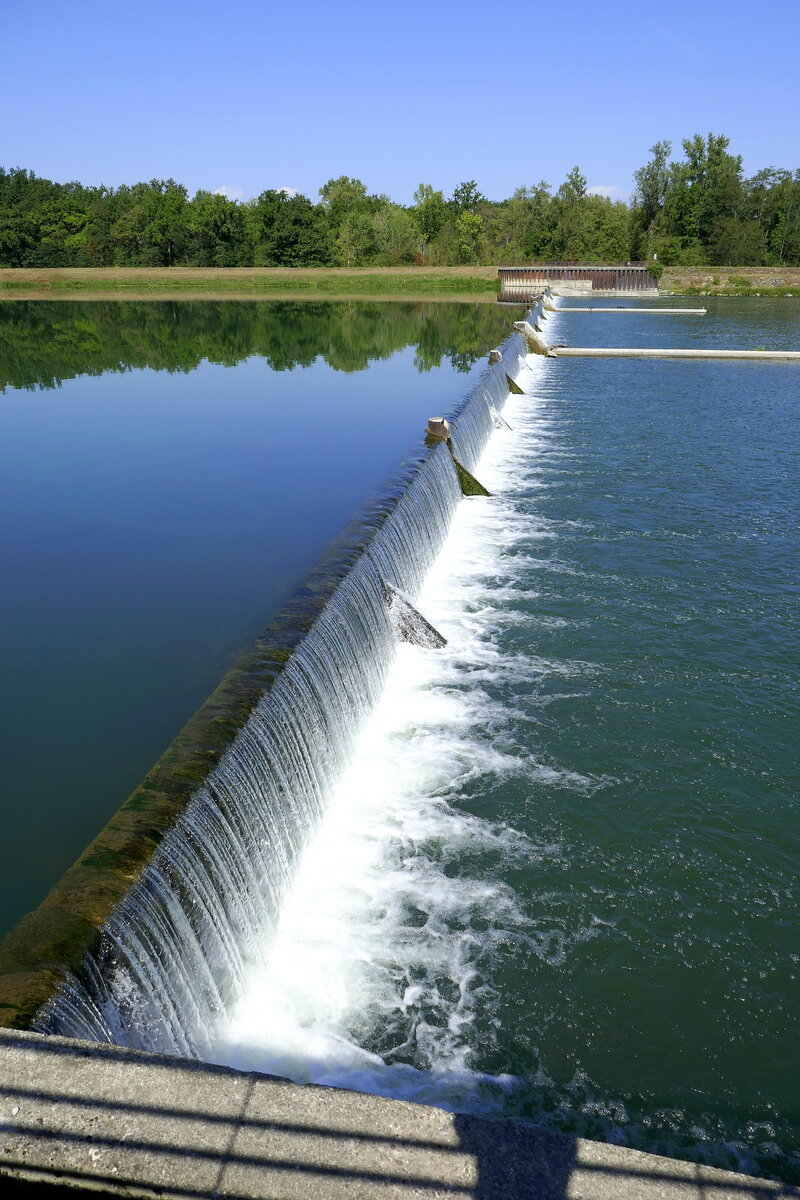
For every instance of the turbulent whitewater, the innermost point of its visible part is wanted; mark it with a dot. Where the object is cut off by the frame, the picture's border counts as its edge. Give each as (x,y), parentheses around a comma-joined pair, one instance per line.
(177,952)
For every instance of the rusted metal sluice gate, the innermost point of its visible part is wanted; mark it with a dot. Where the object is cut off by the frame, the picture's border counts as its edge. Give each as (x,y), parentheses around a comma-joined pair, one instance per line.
(517,283)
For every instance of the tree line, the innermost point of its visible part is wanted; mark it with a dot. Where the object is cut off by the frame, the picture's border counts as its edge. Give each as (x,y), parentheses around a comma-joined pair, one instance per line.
(686,211)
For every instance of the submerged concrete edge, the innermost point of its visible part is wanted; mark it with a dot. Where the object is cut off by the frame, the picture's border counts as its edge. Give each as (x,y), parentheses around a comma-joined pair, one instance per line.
(94,1118)
(54,939)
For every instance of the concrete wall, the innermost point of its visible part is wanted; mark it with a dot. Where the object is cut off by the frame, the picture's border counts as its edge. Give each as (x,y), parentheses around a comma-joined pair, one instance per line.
(80,1116)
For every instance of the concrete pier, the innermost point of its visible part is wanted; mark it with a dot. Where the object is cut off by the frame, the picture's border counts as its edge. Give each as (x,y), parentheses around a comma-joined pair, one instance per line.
(543,307)
(621,308)
(620,352)
(82,1119)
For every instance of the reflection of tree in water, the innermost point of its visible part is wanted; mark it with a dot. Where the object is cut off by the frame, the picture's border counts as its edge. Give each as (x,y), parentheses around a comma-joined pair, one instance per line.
(44,342)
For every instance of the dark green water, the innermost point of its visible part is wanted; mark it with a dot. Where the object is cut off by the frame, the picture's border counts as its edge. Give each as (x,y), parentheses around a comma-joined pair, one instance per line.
(634,646)
(665,616)
(168,472)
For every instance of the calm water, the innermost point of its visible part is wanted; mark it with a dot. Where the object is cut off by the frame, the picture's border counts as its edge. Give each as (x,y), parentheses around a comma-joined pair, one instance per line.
(560,878)
(168,472)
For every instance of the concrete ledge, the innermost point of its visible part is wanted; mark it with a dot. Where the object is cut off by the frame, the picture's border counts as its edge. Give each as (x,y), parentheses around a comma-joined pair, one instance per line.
(695,312)
(619,352)
(78,1117)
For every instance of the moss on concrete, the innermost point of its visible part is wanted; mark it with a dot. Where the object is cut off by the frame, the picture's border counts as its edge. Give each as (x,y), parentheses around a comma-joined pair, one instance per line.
(470,486)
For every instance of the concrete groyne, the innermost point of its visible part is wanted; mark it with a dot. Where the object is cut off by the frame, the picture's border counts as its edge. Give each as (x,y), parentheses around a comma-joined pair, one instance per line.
(627,308)
(621,352)
(543,306)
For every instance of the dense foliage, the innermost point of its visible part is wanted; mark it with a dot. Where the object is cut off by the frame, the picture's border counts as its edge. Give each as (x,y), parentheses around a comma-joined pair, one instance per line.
(695,210)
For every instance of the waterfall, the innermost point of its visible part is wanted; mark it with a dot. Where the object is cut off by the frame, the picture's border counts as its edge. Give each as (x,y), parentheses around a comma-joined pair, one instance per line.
(171,959)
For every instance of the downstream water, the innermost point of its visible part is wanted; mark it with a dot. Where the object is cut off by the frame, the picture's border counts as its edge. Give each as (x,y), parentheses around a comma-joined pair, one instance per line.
(168,473)
(558,880)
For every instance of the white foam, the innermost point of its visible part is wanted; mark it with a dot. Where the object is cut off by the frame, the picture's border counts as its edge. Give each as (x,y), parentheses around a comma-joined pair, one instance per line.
(373,979)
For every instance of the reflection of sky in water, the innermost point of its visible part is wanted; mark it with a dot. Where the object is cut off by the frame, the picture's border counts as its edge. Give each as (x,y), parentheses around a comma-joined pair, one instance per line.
(152,523)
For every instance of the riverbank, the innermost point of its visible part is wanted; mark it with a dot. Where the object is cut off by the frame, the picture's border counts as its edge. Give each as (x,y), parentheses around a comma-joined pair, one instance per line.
(469,283)
(474,283)
(731,281)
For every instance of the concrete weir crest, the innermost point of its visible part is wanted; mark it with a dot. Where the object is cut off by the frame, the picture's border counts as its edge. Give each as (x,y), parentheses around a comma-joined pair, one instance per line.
(136,903)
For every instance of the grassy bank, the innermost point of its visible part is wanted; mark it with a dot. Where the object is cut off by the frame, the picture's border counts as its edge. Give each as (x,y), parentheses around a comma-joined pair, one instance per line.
(480,283)
(250,281)
(731,281)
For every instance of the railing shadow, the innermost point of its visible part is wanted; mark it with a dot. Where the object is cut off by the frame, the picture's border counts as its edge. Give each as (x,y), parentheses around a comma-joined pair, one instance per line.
(214,1132)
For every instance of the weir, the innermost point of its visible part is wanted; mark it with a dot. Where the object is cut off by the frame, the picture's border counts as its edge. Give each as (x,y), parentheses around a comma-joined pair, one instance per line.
(143,943)
(168,955)
(522,283)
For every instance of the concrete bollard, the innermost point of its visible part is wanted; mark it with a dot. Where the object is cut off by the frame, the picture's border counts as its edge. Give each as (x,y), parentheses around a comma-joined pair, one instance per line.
(438,427)
(535,340)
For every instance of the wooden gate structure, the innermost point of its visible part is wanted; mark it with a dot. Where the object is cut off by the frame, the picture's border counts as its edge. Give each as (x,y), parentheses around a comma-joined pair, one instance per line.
(518,283)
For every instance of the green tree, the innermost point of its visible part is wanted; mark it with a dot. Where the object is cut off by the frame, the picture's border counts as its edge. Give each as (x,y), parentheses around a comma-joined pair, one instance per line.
(572,228)
(537,240)
(288,231)
(704,195)
(430,212)
(396,235)
(507,224)
(355,240)
(772,200)
(343,195)
(573,189)
(216,232)
(652,184)
(467,198)
(469,237)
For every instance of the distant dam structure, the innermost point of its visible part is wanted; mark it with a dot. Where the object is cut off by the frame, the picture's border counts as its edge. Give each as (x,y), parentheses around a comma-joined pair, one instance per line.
(166,958)
(522,283)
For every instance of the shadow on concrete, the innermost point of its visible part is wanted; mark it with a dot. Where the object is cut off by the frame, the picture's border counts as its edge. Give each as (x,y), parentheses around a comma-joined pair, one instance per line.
(517,1161)
(158,1126)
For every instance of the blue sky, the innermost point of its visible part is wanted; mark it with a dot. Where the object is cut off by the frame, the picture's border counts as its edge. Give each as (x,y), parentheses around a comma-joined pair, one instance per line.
(249,95)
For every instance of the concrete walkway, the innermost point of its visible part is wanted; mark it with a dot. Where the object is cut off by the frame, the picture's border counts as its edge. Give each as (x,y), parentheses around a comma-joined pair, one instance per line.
(76,1117)
(660,312)
(621,352)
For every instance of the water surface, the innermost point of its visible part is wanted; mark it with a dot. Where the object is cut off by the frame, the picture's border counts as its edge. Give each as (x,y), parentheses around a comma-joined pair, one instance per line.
(168,472)
(559,880)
